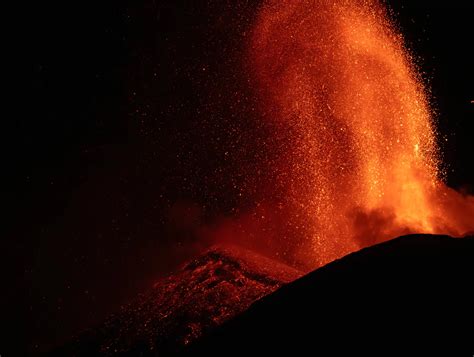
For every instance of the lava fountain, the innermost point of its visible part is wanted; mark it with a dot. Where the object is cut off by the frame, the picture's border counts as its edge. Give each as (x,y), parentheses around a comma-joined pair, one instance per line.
(362,165)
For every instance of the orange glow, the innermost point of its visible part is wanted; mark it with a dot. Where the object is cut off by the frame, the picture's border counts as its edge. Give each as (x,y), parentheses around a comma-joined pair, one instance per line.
(362,163)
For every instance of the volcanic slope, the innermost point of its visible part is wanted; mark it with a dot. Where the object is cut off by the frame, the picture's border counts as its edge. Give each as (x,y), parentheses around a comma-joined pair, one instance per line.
(412,295)
(204,293)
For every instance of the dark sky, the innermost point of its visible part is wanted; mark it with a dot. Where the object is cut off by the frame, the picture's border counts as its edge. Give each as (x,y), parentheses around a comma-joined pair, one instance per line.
(121,145)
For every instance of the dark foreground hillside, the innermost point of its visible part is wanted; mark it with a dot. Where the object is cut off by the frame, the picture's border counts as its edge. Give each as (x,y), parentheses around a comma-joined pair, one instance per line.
(410,296)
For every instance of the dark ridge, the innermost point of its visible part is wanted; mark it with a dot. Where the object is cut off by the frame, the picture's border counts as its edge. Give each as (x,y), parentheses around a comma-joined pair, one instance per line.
(410,296)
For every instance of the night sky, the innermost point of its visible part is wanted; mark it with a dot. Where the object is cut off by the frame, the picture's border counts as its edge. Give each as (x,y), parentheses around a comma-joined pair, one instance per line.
(136,127)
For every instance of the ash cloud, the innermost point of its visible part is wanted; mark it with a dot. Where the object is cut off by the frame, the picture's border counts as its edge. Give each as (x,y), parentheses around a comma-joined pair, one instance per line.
(375,225)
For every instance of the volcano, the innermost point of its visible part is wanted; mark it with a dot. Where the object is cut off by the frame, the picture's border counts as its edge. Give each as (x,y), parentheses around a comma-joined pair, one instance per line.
(204,293)
(412,295)
(411,292)
(303,131)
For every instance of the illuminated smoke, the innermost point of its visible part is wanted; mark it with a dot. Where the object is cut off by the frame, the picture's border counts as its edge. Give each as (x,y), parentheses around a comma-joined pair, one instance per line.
(344,99)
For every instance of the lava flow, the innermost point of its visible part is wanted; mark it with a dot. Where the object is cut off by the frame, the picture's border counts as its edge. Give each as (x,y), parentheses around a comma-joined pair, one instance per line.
(344,99)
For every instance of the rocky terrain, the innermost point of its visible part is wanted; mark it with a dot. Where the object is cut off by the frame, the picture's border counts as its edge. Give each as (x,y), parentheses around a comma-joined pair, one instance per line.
(179,309)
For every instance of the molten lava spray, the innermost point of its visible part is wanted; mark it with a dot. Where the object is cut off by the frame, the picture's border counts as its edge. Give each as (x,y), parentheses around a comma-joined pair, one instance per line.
(342,94)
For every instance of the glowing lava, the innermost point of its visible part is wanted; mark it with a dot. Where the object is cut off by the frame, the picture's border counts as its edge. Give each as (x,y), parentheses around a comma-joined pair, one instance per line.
(337,83)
